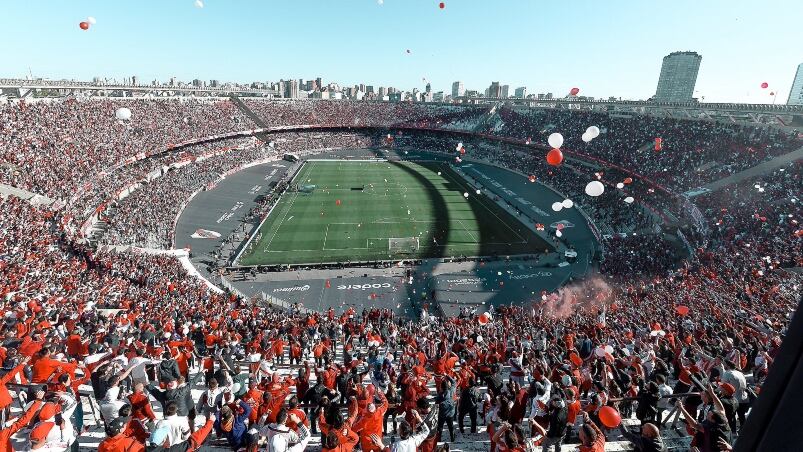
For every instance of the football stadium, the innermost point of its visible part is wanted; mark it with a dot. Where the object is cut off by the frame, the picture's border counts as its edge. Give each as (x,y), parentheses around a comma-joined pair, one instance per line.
(210,265)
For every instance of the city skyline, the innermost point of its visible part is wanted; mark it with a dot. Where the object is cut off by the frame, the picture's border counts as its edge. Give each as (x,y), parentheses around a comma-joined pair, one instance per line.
(363,42)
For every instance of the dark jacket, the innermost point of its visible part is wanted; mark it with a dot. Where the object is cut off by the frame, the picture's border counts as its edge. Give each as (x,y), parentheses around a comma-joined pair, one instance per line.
(181,395)
(235,437)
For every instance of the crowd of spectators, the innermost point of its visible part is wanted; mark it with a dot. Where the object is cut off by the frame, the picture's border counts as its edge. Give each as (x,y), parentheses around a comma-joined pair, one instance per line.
(55,147)
(169,360)
(366,114)
(706,150)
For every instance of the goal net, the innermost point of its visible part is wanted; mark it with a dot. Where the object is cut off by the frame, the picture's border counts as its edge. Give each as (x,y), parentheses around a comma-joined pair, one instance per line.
(403,245)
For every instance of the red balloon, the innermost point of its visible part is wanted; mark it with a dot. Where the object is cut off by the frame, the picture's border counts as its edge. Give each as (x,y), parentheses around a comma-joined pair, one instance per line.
(84,25)
(609,417)
(442,5)
(337,202)
(659,144)
(628,180)
(554,157)
(484,318)
(765,85)
(682,310)
(574,91)
(532,178)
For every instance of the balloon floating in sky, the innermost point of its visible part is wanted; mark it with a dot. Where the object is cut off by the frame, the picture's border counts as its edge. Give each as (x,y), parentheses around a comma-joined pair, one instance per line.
(595,188)
(465,195)
(574,91)
(532,178)
(554,157)
(765,85)
(557,206)
(84,26)
(123,114)
(441,5)
(629,200)
(91,20)
(199,4)
(478,191)
(567,203)
(555,140)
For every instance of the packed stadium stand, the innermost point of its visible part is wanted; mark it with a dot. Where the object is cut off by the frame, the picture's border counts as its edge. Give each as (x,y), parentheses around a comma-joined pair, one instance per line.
(111,341)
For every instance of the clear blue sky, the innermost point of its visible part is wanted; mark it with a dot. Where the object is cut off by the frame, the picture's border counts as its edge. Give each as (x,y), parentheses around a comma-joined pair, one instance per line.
(604,47)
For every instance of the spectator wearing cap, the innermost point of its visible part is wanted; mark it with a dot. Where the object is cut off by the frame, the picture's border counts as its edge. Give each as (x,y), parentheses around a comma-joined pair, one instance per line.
(117,440)
(58,413)
(729,403)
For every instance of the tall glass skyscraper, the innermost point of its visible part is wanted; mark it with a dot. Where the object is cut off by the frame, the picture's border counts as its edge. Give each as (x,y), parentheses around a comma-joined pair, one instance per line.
(796,93)
(678,77)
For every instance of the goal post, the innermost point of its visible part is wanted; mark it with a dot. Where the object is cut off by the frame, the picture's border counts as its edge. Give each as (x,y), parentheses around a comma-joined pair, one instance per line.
(403,245)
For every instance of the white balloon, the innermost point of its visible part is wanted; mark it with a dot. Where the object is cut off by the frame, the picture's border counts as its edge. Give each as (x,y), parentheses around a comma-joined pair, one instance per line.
(587,138)
(567,203)
(555,140)
(558,234)
(620,185)
(629,199)
(595,188)
(478,191)
(199,4)
(557,206)
(91,20)
(123,114)
(465,195)
(593,131)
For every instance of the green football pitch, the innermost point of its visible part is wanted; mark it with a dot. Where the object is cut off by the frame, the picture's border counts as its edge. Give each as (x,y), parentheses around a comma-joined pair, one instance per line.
(361,210)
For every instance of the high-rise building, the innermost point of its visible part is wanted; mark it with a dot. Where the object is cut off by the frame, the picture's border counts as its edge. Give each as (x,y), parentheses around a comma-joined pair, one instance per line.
(494,91)
(505,90)
(173,81)
(458,89)
(796,93)
(214,83)
(521,92)
(678,77)
(135,80)
(291,89)
(197,83)
(382,92)
(319,83)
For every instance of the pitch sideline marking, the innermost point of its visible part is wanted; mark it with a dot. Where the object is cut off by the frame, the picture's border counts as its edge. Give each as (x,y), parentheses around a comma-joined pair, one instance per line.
(464,184)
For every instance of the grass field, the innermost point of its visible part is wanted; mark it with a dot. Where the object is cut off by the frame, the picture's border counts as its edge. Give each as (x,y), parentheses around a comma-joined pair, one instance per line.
(399,200)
